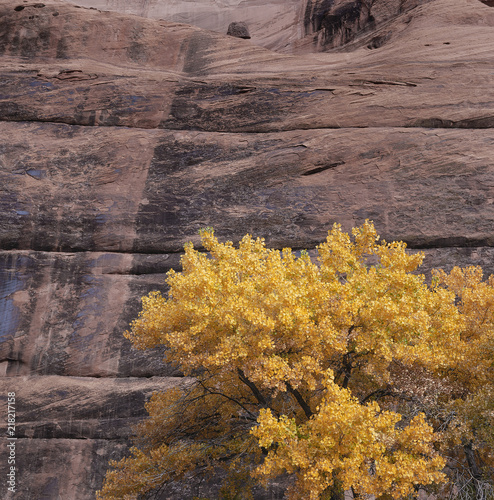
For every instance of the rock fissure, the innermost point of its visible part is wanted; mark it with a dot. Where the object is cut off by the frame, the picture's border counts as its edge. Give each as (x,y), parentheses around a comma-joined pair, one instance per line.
(476,123)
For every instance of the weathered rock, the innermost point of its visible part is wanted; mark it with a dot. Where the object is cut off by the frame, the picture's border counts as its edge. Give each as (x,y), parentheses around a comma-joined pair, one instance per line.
(282,25)
(64,313)
(206,81)
(58,407)
(68,428)
(239,30)
(274,24)
(114,152)
(68,298)
(335,23)
(149,191)
(49,469)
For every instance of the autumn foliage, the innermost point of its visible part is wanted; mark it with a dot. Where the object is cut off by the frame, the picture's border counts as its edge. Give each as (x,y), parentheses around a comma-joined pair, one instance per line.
(345,373)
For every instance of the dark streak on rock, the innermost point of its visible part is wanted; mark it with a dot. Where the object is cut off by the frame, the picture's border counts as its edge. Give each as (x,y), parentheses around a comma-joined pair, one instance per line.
(482,122)
(323,168)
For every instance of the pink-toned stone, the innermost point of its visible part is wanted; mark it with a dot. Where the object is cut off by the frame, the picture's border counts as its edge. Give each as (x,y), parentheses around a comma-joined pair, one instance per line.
(68,428)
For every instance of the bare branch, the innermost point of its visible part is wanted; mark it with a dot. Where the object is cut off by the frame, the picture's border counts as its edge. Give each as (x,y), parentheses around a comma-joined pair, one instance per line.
(233,400)
(300,400)
(252,387)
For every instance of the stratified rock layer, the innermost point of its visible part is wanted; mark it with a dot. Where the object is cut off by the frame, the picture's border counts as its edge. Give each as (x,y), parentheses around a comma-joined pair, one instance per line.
(68,428)
(121,136)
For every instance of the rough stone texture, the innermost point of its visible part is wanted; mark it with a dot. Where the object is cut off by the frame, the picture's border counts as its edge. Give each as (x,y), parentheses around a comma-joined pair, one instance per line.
(335,23)
(274,24)
(282,25)
(419,185)
(55,469)
(64,313)
(121,136)
(239,30)
(70,427)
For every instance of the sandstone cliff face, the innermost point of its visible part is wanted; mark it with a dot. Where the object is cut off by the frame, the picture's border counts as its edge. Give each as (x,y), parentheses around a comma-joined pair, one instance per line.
(274,24)
(282,25)
(121,136)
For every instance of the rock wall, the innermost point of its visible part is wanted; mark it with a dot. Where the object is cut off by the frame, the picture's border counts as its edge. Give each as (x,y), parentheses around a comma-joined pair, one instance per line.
(121,136)
(274,24)
(290,26)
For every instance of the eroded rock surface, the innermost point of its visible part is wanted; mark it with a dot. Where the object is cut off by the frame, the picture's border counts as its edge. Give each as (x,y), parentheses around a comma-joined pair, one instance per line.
(70,427)
(239,30)
(282,25)
(121,136)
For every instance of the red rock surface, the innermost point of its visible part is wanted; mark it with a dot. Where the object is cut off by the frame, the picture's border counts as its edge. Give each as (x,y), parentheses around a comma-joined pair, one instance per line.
(121,136)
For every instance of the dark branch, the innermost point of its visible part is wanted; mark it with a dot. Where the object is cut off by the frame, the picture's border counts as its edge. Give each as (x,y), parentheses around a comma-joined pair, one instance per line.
(300,400)
(379,393)
(475,470)
(347,362)
(347,368)
(233,400)
(252,387)
(346,379)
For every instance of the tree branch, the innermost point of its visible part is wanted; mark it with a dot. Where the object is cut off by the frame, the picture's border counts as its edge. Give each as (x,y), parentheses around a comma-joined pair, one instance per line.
(233,400)
(252,387)
(300,400)
(347,369)
(475,470)
(379,393)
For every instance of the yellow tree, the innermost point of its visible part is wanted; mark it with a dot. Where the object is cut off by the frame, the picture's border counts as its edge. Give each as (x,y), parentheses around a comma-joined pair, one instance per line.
(350,373)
